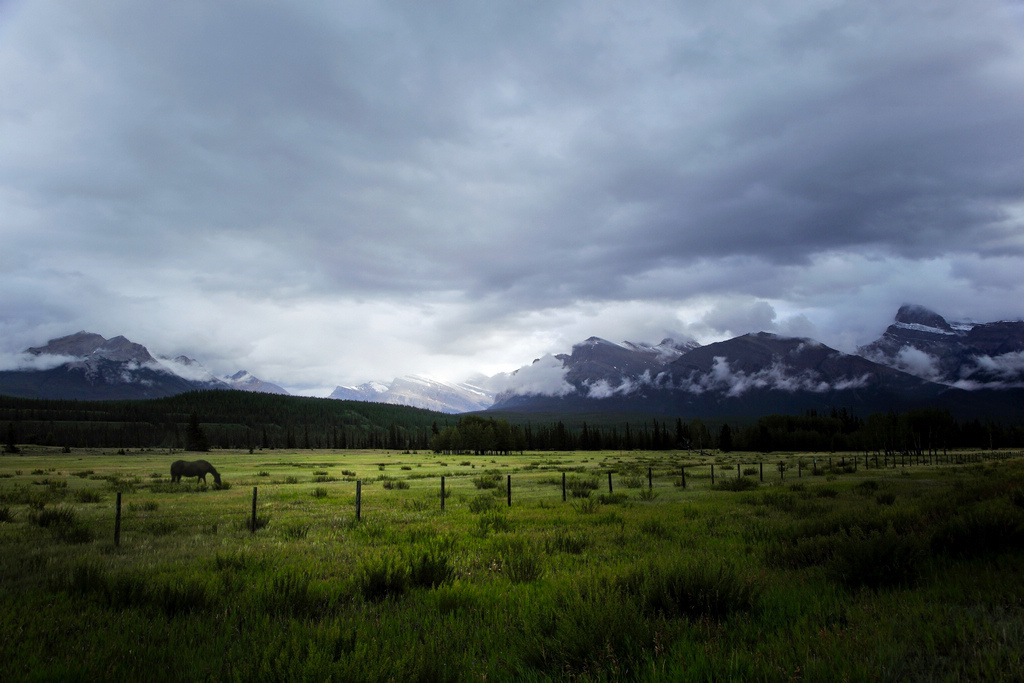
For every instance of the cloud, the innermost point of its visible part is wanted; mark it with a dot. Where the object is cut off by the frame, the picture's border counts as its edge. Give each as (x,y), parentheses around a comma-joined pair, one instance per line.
(776,377)
(258,184)
(544,377)
(31,361)
(918,363)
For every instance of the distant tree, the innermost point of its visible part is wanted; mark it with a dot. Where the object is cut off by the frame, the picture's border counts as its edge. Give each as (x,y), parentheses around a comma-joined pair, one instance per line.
(11,445)
(195,439)
(725,439)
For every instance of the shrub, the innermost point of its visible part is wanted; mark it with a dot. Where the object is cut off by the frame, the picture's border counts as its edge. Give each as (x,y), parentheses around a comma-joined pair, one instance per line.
(655,527)
(291,479)
(585,506)
(647,494)
(826,492)
(580,487)
(631,481)
(736,484)
(88,496)
(482,503)
(261,522)
(979,532)
(877,559)
(567,541)
(493,520)
(54,517)
(692,588)
(519,560)
(866,487)
(431,566)
(5,514)
(610,498)
(263,473)
(297,531)
(382,576)
(886,498)
(319,492)
(487,481)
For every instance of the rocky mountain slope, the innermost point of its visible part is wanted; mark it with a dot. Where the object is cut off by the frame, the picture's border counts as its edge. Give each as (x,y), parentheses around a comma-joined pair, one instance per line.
(961,354)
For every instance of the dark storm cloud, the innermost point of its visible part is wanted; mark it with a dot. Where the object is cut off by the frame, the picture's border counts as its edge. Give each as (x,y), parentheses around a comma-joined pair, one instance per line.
(459,175)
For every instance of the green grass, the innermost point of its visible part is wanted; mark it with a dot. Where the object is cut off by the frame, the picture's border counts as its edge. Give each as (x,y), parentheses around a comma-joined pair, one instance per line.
(879,574)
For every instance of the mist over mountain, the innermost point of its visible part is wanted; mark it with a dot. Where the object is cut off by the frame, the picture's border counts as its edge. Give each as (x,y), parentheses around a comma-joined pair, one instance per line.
(966,355)
(920,360)
(422,392)
(86,366)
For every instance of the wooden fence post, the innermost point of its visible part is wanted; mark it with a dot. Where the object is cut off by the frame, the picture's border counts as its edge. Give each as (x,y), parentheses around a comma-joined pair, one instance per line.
(739,472)
(510,490)
(252,524)
(650,480)
(117,521)
(712,475)
(682,471)
(359,500)
(609,483)
(442,492)
(563,487)
(762,470)
(799,468)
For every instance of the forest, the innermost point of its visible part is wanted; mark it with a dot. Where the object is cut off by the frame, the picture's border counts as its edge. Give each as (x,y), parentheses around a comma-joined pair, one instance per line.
(234,419)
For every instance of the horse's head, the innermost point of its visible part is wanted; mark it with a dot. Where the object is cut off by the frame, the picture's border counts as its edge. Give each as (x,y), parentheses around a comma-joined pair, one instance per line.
(216,478)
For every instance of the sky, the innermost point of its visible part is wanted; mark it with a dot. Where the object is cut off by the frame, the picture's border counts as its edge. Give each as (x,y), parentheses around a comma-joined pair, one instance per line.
(328,193)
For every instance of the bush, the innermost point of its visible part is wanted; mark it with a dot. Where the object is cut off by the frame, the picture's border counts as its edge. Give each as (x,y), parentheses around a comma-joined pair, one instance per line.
(482,503)
(978,533)
(431,566)
(655,527)
(887,498)
(877,559)
(88,496)
(693,589)
(631,481)
(5,514)
(866,487)
(579,487)
(381,577)
(54,517)
(319,492)
(494,520)
(610,498)
(297,531)
(826,492)
(487,481)
(519,560)
(585,506)
(567,541)
(736,484)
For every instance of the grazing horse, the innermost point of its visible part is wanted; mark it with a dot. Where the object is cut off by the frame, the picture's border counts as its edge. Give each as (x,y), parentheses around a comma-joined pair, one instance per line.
(196,468)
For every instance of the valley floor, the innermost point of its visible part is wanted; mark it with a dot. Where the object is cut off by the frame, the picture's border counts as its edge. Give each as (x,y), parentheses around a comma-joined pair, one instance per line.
(818,570)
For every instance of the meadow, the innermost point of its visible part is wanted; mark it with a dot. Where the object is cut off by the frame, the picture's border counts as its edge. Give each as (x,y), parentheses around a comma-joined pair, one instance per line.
(818,570)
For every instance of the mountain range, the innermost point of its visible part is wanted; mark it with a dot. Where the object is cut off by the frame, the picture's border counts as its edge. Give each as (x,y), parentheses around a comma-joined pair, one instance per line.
(921,360)
(85,366)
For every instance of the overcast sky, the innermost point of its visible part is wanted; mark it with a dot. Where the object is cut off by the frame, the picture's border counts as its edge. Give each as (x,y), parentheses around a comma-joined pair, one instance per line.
(333,192)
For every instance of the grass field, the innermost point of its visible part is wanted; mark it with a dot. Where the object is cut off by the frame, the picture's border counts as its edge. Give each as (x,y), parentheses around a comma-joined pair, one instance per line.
(905,572)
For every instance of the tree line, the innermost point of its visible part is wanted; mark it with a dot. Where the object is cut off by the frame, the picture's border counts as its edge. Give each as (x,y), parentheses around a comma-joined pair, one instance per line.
(234,419)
